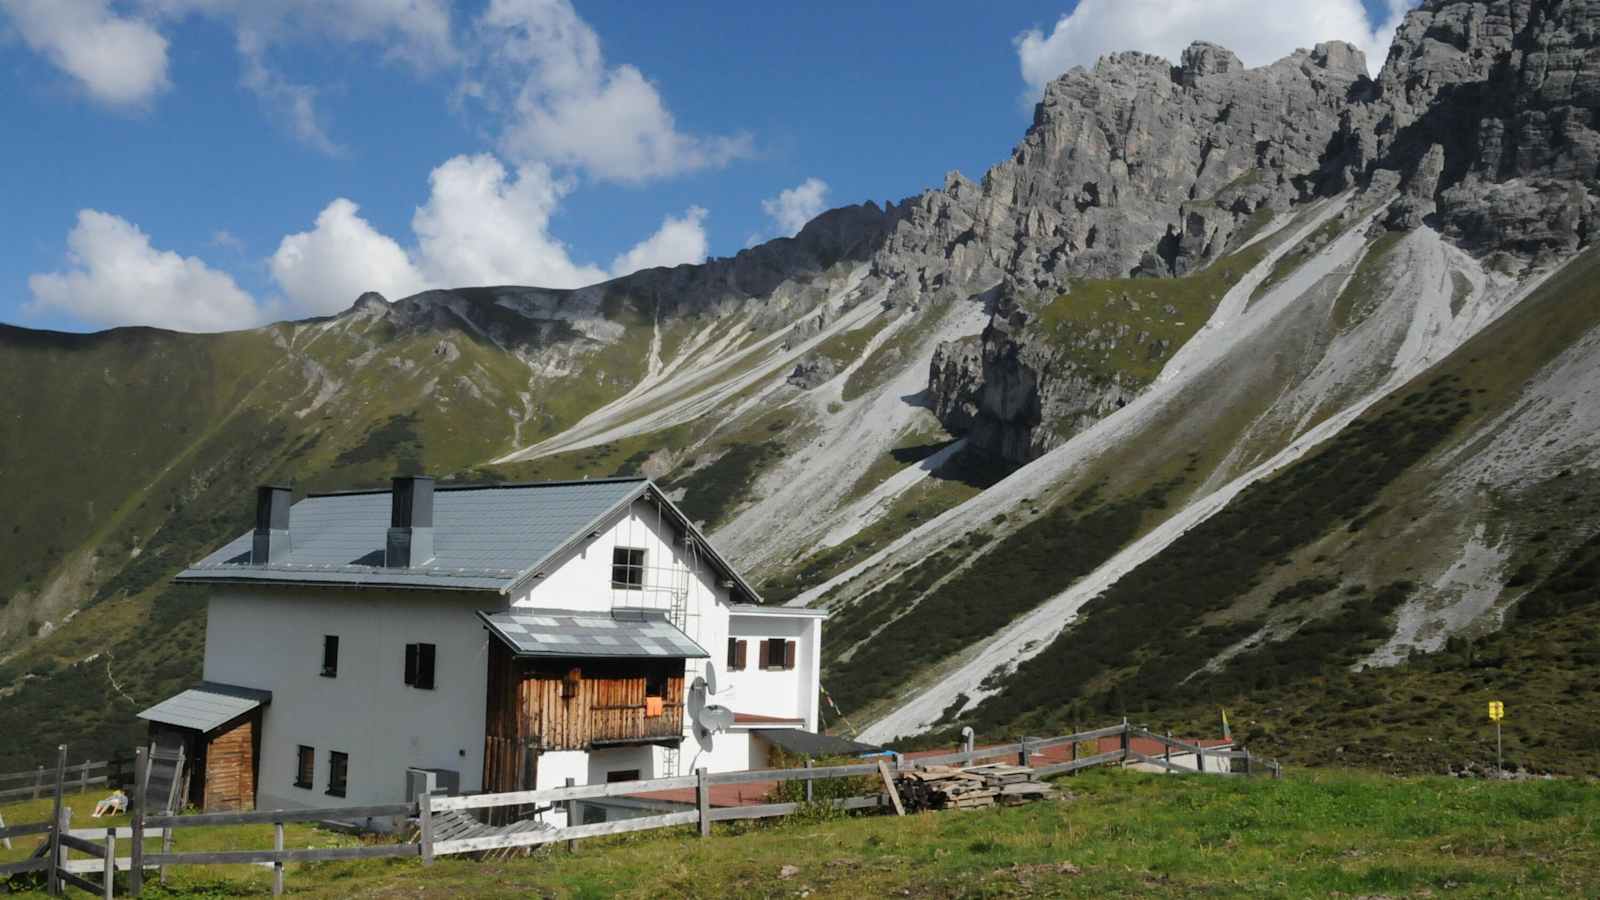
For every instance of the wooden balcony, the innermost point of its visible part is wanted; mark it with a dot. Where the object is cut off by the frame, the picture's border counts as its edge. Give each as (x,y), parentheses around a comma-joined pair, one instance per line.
(555,704)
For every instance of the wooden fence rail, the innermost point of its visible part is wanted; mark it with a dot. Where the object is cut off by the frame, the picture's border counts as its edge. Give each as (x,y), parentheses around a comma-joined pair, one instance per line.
(101,845)
(41,780)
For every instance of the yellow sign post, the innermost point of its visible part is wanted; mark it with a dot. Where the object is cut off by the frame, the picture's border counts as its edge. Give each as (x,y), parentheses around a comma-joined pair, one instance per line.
(1497,711)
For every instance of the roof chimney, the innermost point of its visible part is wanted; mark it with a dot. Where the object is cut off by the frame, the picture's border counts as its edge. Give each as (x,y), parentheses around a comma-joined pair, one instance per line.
(410,523)
(271,541)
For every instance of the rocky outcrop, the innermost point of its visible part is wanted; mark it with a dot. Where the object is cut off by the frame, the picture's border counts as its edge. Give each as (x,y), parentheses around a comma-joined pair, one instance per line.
(812,370)
(998,389)
(1132,162)
(1488,110)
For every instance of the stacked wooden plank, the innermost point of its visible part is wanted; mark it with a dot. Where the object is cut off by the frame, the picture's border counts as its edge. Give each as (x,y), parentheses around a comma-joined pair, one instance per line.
(947,787)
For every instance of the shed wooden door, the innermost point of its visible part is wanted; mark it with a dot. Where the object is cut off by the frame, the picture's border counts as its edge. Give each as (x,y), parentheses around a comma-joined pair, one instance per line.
(230,766)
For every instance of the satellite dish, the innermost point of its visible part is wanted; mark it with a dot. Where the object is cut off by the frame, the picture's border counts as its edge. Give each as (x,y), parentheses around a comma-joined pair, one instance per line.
(711,678)
(714,718)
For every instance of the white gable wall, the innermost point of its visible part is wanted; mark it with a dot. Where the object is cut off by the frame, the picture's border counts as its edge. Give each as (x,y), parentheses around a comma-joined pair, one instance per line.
(582,580)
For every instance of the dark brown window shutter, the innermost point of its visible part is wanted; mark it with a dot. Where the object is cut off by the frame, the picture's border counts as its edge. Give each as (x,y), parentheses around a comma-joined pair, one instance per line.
(733,654)
(411,664)
(425,666)
(788,654)
(740,653)
(766,655)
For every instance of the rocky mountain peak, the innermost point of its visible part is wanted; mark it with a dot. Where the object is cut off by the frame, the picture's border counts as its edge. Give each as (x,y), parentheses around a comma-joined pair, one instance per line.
(1485,112)
(1203,58)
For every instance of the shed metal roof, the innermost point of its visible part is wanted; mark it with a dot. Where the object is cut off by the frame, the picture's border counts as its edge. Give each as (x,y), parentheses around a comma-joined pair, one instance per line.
(808,743)
(619,633)
(206,707)
(485,537)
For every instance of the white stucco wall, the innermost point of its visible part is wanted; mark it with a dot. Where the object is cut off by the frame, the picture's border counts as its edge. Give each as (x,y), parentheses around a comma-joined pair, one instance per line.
(790,693)
(271,639)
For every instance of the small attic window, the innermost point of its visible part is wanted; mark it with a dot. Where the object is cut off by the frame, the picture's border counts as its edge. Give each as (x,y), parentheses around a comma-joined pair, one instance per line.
(627,568)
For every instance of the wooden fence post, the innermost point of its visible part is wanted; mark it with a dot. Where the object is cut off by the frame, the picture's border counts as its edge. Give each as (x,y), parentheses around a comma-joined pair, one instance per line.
(83,778)
(141,784)
(425,827)
(809,781)
(703,801)
(277,864)
(1023,755)
(1200,758)
(166,847)
(56,847)
(1125,733)
(572,816)
(1166,750)
(59,858)
(38,782)
(111,863)
(888,787)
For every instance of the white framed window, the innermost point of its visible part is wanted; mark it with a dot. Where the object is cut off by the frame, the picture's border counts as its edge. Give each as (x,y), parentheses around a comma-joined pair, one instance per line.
(627,568)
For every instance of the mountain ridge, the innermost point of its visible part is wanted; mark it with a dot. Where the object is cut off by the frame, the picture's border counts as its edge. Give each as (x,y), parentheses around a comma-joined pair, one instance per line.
(1199,301)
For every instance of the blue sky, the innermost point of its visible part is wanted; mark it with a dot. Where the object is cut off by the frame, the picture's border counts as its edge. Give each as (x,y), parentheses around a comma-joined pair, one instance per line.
(209,164)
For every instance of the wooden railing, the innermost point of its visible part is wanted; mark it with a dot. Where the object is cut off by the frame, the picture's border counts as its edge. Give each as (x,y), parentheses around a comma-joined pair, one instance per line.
(144,825)
(1208,760)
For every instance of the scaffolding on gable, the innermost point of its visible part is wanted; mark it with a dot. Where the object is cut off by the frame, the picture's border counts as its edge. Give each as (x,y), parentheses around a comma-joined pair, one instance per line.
(665,582)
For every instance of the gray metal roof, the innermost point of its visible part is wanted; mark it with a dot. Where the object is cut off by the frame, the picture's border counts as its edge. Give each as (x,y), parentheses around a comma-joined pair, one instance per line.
(489,538)
(206,707)
(569,632)
(807,743)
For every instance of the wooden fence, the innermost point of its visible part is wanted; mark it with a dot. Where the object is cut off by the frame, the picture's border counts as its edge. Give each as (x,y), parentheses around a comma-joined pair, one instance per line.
(40,782)
(102,847)
(1208,760)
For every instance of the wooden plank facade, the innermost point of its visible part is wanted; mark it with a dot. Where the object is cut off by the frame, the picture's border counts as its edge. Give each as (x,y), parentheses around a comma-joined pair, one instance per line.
(230,766)
(534,705)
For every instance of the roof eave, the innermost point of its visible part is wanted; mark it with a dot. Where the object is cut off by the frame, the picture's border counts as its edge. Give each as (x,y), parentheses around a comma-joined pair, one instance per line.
(207,578)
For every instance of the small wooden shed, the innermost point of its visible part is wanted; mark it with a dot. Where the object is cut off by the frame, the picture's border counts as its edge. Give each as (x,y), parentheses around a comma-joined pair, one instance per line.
(218,728)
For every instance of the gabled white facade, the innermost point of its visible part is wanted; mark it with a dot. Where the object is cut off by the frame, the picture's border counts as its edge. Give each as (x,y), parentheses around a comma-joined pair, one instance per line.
(271,638)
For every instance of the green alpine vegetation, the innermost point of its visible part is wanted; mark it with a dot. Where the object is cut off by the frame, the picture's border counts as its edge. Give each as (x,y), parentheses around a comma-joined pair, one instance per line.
(1113,833)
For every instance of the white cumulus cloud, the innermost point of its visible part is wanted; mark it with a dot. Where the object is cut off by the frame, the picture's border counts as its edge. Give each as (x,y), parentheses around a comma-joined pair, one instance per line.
(115,277)
(680,239)
(325,269)
(1260,31)
(794,207)
(119,61)
(566,106)
(481,225)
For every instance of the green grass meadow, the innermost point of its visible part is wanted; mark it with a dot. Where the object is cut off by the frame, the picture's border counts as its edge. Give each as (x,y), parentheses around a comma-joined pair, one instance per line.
(1111,833)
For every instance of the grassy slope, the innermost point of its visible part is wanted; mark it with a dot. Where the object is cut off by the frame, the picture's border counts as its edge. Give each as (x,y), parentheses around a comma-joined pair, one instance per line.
(1053,546)
(1163,313)
(171,390)
(154,458)
(1334,513)
(1115,834)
